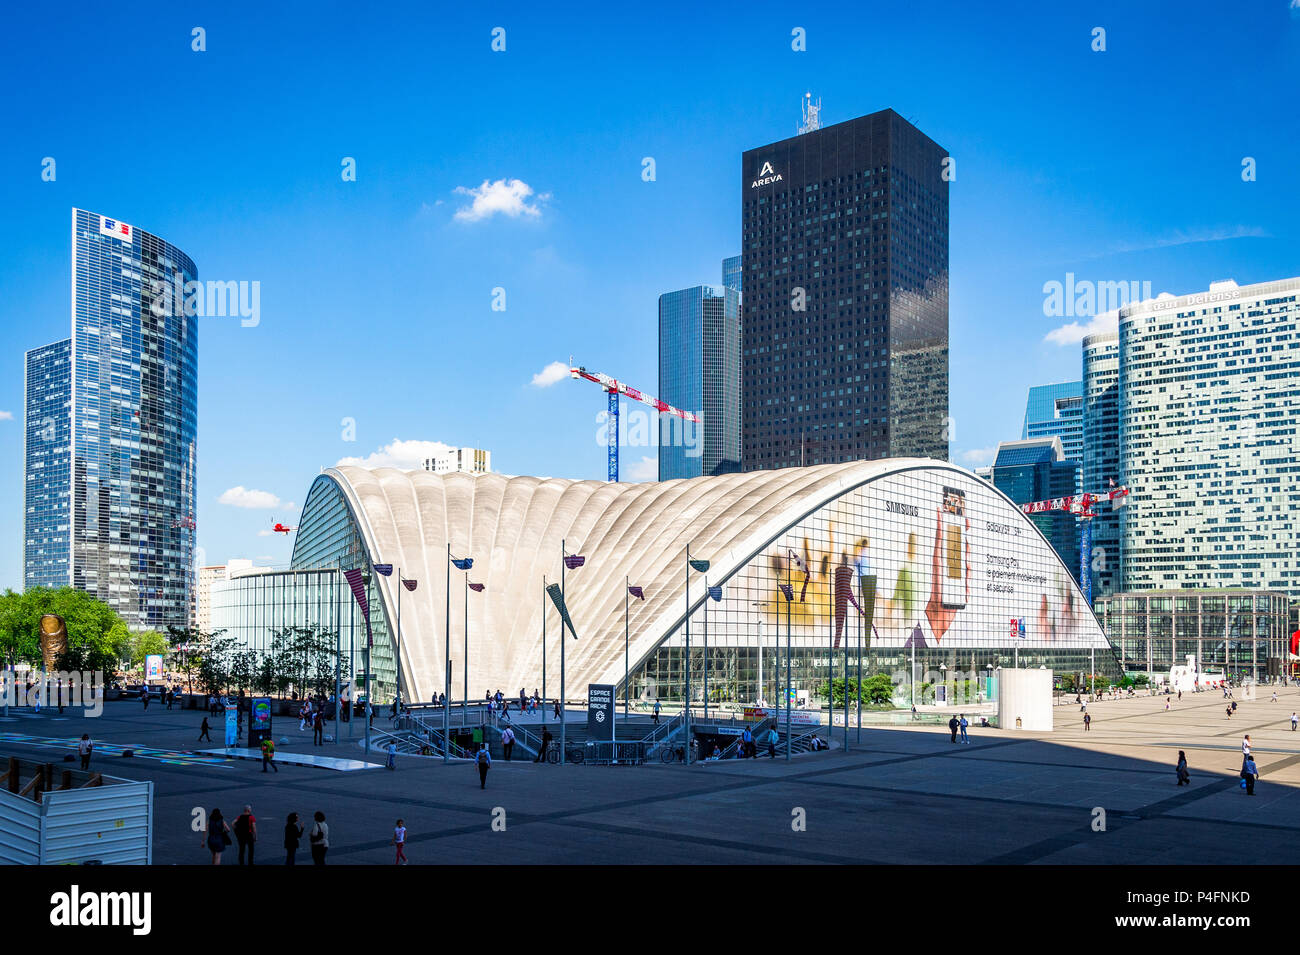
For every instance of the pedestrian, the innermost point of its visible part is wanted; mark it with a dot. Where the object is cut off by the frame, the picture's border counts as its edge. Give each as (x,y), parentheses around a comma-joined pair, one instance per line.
(747,743)
(1184,778)
(391,763)
(203,731)
(292,838)
(246,833)
(1228,710)
(1245,745)
(914,714)
(84,749)
(1274,700)
(546,743)
(1250,773)
(319,837)
(772,738)
(268,754)
(171,697)
(1180,696)
(557,708)
(1087,722)
(399,840)
(1294,720)
(964,724)
(144,697)
(953,726)
(656,713)
(216,835)
(318,729)
(484,761)
(507,742)
(1166,706)
(1234,706)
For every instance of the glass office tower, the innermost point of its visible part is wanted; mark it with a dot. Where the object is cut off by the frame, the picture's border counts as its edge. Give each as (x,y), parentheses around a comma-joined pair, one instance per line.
(1035,469)
(1101,454)
(47,453)
(1208,399)
(733,272)
(1058,410)
(699,370)
(132,423)
(845,252)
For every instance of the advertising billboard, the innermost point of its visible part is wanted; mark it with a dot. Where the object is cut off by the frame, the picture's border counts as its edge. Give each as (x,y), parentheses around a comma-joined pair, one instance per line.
(153,667)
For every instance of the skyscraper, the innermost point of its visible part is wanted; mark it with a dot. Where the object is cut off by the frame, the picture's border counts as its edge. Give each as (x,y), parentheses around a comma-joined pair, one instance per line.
(1036,469)
(845,251)
(699,371)
(1208,397)
(124,500)
(1058,410)
(733,272)
(1101,453)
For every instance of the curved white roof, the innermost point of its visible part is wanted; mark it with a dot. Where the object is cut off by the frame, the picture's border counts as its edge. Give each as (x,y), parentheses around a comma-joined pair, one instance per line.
(513,527)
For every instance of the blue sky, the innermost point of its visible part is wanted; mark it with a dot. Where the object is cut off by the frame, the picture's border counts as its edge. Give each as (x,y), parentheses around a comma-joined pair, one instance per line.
(376,299)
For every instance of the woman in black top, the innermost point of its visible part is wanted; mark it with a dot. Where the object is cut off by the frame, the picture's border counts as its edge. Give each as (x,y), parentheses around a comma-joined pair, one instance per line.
(292,836)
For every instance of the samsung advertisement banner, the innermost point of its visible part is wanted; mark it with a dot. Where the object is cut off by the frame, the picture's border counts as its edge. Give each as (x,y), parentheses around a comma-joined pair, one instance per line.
(232,725)
(153,667)
(600,711)
(921,558)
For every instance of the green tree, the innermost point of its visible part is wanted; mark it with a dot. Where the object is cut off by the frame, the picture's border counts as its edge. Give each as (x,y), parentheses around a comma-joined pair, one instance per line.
(188,647)
(146,643)
(97,636)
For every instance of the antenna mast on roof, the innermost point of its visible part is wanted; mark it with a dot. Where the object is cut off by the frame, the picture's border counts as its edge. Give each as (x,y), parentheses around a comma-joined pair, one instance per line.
(812,114)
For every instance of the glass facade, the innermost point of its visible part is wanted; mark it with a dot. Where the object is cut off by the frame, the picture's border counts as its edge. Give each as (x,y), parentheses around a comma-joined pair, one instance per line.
(1036,470)
(328,539)
(1208,394)
(132,425)
(47,454)
(1242,633)
(845,252)
(955,577)
(733,273)
(1101,454)
(1057,410)
(699,370)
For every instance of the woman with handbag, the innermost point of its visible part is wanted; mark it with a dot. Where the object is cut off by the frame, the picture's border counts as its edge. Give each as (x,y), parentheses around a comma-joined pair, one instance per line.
(319,837)
(216,836)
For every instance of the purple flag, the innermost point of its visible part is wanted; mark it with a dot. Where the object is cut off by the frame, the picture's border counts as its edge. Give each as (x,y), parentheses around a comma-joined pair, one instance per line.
(715,593)
(573,561)
(636,592)
(477,588)
(787,590)
(357,583)
(409,584)
(385,569)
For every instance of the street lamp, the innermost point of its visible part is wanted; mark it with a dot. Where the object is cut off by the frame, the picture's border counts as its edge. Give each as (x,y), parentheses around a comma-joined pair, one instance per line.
(464,563)
(703,567)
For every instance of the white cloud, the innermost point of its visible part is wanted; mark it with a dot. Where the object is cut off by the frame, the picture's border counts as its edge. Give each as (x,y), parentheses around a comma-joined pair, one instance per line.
(241,496)
(265,533)
(1073,333)
(6,416)
(647,469)
(506,196)
(555,371)
(403,455)
(978,457)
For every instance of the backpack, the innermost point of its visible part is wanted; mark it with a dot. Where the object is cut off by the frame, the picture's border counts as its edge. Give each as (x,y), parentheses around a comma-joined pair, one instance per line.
(482,757)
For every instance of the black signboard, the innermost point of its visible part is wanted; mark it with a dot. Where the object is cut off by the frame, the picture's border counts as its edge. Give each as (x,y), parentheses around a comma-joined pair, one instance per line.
(600,711)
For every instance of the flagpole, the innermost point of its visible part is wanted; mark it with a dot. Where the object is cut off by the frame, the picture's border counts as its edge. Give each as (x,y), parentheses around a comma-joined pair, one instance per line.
(399,642)
(789,605)
(369,702)
(446,703)
(706,649)
(687,720)
(338,652)
(565,602)
(544,649)
(627,594)
(464,704)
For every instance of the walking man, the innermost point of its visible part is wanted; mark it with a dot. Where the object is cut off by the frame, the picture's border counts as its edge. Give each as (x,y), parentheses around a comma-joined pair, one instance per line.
(1087,722)
(656,713)
(1294,720)
(484,760)
(246,833)
(772,738)
(268,754)
(318,728)
(84,749)
(964,724)
(1245,745)
(953,726)
(392,756)
(1249,772)
(203,731)
(546,744)
(747,743)
(507,742)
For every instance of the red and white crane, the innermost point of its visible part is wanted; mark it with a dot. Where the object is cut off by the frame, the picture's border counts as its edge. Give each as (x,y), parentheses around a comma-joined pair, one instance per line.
(613,387)
(1081,505)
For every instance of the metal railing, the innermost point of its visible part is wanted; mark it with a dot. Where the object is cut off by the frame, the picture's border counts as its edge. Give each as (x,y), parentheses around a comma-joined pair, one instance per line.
(663,732)
(734,746)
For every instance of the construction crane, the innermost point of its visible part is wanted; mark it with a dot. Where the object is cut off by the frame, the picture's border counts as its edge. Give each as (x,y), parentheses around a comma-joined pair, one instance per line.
(1081,505)
(613,387)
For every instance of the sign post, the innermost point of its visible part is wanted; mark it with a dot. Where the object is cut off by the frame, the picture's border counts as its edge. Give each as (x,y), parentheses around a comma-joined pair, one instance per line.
(600,714)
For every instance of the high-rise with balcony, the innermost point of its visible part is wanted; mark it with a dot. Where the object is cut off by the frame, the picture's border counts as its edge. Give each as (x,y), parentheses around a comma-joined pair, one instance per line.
(1101,454)
(845,257)
(111,429)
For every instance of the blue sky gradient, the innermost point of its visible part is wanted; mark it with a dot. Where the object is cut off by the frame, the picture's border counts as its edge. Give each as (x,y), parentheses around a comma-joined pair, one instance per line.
(376,301)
